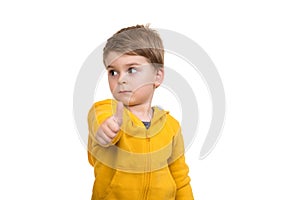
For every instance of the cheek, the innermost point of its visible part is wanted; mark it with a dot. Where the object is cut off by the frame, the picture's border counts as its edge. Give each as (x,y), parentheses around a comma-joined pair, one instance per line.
(141,85)
(144,81)
(144,91)
(112,85)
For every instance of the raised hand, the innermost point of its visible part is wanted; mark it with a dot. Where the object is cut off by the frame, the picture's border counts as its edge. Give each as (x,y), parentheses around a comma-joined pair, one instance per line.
(110,127)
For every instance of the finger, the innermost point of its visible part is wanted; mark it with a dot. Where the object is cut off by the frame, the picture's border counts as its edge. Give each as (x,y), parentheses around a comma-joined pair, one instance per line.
(118,116)
(113,126)
(103,138)
(102,142)
(107,130)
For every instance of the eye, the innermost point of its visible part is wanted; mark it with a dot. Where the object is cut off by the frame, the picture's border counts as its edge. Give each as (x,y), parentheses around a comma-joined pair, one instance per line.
(132,70)
(112,72)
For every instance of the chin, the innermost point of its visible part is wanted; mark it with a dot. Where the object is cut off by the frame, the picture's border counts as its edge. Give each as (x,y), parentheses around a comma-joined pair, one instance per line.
(125,101)
(129,101)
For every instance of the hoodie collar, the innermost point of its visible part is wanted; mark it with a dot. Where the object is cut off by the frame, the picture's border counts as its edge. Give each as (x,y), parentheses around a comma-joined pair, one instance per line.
(133,126)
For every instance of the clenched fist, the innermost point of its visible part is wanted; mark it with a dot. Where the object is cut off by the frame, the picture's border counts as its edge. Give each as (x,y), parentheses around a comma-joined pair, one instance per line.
(110,127)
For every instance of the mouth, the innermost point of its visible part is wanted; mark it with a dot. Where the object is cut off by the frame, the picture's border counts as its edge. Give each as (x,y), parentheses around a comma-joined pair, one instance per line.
(124,91)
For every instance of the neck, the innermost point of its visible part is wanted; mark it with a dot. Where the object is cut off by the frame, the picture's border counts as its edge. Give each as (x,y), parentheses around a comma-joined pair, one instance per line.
(143,111)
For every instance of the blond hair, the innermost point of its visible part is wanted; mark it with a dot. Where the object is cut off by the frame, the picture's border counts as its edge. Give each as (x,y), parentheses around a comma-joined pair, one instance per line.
(137,40)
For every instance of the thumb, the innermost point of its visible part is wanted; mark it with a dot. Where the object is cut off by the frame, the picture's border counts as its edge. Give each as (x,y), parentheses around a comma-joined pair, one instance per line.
(118,116)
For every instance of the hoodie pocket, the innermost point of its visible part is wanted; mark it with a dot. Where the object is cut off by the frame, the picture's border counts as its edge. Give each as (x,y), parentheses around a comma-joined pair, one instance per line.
(109,189)
(125,186)
(163,184)
(104,176)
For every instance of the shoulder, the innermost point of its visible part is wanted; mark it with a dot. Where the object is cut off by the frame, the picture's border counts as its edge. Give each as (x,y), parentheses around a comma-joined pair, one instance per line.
(109,103)
(105,102)
(104,106)
(171,118)
(170,121)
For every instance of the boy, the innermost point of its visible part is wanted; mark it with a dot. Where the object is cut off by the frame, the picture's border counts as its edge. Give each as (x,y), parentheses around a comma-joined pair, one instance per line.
(136,150)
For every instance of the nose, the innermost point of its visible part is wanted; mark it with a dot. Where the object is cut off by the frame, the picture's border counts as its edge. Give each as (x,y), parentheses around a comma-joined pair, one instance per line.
(122,79)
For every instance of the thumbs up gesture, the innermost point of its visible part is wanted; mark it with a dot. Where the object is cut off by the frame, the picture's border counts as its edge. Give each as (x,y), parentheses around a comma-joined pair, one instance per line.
(110,127)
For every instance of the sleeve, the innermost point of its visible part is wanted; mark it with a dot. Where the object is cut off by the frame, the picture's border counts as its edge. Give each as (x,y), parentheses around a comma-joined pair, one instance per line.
(179,169)
(95,119)
(98,113)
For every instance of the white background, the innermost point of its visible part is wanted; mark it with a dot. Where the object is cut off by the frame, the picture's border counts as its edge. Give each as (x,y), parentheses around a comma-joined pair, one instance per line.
(255,46)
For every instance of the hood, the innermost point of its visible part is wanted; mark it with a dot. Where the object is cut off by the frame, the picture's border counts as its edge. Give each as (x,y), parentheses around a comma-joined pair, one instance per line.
(132,125)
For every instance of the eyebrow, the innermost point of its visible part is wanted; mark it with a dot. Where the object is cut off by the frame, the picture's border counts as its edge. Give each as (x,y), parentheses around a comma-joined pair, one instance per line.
(127,65)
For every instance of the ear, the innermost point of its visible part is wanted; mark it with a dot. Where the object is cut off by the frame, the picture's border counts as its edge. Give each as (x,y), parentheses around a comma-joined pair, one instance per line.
(159,77)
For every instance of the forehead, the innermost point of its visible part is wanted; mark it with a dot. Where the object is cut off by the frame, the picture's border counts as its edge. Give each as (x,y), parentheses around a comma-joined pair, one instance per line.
(117,59)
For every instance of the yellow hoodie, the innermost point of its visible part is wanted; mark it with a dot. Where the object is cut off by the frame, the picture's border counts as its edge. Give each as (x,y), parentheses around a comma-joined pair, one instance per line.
(139,163)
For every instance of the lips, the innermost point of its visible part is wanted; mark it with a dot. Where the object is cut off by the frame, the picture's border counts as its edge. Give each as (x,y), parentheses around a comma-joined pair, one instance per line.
(124,91)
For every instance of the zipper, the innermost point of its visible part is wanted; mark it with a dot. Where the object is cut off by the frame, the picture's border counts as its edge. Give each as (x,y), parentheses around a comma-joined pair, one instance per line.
(147,167)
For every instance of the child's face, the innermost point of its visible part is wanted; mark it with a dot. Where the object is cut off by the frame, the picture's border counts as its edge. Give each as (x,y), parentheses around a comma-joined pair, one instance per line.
(132,79)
